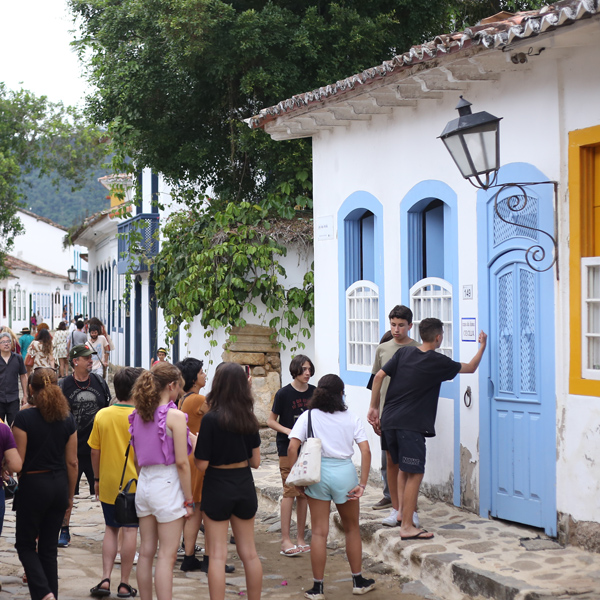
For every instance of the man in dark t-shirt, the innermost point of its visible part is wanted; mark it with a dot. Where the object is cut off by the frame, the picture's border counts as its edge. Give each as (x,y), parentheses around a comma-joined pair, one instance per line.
(12,370)
(416,375)
(87,394)
(290,402)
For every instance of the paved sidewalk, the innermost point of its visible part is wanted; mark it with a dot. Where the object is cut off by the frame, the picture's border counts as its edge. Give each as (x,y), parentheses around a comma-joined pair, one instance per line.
(469,557)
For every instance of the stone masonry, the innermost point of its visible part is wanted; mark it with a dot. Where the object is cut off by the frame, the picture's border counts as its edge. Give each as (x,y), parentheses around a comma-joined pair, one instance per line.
(256,347)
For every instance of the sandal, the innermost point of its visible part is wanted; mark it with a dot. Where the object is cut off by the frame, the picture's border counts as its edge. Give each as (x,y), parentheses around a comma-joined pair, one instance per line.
(131,591)
(293,551)
(98,591)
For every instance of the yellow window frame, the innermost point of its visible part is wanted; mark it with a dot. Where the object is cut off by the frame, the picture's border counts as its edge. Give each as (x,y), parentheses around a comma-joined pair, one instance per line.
(582,233)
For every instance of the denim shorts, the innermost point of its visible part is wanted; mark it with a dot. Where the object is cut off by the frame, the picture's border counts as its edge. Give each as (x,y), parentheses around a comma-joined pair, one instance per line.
(407,449)
(338,477)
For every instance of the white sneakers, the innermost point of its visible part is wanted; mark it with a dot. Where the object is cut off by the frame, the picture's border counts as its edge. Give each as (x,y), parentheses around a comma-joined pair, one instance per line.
(392,519)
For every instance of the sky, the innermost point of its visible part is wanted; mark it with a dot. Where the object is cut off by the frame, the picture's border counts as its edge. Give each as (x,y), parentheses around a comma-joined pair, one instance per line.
(35,52)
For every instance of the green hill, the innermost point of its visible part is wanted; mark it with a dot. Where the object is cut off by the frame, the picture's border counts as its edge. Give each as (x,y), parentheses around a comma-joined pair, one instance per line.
(62,205)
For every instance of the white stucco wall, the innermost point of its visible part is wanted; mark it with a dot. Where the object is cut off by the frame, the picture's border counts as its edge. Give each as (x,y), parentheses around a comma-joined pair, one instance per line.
(540,102)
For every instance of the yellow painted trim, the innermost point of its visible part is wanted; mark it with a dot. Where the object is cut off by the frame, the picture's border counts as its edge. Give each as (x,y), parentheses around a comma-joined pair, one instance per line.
(578,141)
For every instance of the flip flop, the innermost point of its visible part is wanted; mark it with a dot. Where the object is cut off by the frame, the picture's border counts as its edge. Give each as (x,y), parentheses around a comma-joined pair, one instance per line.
(293,551)
(418,536)
(100,592)
(304,548)
(131,591)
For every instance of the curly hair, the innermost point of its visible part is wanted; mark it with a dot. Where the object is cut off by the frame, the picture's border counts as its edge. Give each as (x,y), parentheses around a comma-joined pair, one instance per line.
(189,367)
(231,399)
(149,386)
(47,396)
(45,338)
(329,395)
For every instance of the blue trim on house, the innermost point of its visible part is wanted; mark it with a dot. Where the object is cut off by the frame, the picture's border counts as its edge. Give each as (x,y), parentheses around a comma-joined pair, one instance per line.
(154,193)
(416,200)
(352,209)
(513,172)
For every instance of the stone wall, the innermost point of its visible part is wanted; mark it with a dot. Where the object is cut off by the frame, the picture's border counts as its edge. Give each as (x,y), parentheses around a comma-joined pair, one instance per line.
(255,346)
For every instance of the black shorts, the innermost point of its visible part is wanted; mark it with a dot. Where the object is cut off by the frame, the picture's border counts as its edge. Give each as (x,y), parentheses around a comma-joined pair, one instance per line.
(384,446)
(229,492)
(407,449)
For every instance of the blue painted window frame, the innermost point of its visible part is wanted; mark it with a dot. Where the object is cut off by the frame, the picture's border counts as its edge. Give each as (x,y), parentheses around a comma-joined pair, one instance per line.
(411,206)
(348,225)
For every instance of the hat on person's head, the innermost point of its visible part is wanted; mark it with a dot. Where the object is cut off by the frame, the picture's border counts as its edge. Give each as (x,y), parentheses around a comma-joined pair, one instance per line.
(161,350)
(25,330)
(81,350)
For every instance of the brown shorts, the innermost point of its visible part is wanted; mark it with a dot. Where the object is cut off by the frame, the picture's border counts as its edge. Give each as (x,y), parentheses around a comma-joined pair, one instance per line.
(289,491)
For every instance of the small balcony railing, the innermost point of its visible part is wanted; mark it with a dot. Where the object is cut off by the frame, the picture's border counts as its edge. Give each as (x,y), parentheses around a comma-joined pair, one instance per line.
(141,232)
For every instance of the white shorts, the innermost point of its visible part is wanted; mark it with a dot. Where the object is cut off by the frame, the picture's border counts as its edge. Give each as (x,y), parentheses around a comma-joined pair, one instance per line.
(159,493)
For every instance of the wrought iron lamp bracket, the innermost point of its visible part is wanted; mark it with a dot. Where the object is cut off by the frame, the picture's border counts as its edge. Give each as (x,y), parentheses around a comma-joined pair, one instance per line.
(517,202)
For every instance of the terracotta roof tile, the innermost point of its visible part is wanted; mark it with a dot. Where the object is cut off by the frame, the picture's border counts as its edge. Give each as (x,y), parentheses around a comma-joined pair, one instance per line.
(497,31)
(13,263)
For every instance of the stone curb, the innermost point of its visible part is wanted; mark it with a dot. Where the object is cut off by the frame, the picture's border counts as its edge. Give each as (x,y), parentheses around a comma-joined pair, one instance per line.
(469,557)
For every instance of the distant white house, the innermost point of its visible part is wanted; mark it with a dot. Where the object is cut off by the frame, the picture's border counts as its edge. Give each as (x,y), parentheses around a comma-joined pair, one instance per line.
(396,223)
(136,324)
(38,283)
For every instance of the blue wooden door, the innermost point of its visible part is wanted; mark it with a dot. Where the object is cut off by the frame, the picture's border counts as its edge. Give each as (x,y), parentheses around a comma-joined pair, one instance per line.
(517,403)
(518,413)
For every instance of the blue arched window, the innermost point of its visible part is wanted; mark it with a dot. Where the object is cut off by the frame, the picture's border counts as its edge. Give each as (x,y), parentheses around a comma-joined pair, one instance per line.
(429,258)
(360,251)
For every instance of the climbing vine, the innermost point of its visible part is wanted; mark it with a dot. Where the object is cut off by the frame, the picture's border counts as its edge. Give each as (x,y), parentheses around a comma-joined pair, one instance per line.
(218,264)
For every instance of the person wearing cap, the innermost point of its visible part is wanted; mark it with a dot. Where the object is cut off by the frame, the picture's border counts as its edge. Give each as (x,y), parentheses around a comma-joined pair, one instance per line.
(86,393)
(161,354)
(24,341)
(12,368)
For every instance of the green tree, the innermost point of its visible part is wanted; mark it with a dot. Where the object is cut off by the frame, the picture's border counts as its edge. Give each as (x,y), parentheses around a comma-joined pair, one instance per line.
(38,134)
(176,78)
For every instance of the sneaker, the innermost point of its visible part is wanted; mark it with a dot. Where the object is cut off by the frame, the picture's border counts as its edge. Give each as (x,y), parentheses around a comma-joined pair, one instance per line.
(315,592)
(181,551)
(416,521)
(383,503)
(392,519)
(360,585)
(191,563)
(64,540)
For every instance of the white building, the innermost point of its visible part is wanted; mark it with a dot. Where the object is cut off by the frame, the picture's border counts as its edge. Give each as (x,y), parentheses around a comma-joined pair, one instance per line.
(398,224)
(38,282)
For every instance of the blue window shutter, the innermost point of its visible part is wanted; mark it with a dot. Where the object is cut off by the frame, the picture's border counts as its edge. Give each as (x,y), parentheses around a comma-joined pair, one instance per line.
(352,251)
(368,248)
(415,253)
(154,192)
(434,242)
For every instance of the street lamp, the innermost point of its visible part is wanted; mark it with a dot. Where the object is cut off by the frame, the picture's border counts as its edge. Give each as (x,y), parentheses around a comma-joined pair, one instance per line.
(72,274)
(473,141)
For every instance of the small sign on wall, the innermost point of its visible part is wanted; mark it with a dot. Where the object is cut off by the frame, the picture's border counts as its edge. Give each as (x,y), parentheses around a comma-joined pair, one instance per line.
(325,228)
(468,329)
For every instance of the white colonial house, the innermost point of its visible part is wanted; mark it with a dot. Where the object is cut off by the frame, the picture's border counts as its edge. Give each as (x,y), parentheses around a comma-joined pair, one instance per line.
(39,283)
(395,222)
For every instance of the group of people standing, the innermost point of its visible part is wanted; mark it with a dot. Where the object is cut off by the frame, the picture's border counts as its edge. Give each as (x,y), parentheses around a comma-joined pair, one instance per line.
(193,459)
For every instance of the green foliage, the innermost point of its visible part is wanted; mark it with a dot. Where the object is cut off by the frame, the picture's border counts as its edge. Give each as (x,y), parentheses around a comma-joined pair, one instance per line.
(61,203)
(176,78)
(217,265)
(38,134)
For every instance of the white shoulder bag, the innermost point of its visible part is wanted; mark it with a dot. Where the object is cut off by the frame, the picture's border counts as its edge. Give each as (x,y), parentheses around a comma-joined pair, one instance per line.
(307,469)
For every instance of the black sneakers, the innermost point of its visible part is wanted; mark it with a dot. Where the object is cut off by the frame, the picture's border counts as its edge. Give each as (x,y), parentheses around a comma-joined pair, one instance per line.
(316,592)
(191,563)
(360,585)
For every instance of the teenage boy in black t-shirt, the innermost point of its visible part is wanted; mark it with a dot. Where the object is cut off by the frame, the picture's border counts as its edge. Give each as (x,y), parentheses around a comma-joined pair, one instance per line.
(416,375)
(290,402)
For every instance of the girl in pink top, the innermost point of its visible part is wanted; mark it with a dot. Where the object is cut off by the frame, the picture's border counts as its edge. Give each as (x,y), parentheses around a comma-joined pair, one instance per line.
(159,436)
